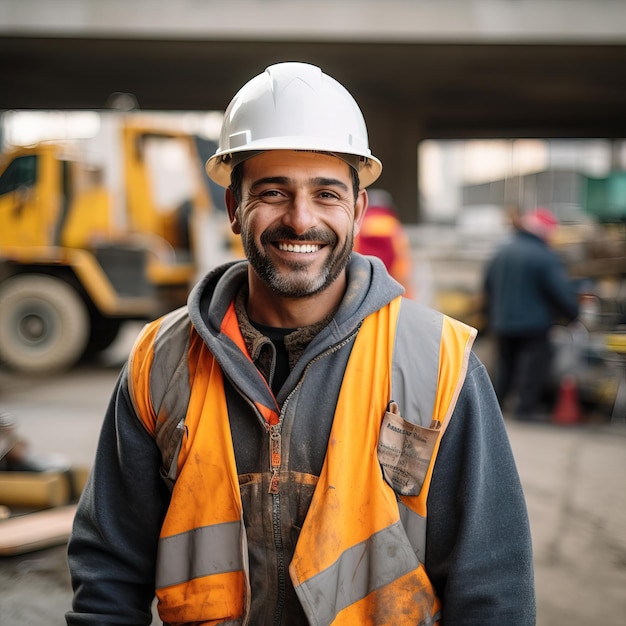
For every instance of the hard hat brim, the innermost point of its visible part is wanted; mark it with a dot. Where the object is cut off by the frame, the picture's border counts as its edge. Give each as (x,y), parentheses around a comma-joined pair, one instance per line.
(220,165)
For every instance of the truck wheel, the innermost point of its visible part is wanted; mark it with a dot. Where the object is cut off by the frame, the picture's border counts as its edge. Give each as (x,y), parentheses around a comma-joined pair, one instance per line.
(44,324)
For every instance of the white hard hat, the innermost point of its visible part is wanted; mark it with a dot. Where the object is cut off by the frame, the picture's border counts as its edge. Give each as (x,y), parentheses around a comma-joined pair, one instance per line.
(293,106)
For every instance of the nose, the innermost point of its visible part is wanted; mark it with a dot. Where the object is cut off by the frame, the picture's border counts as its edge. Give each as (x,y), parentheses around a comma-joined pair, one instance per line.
(301,214)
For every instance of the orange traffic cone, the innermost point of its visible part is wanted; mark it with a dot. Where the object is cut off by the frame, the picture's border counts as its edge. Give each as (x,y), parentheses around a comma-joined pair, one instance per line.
(567,409)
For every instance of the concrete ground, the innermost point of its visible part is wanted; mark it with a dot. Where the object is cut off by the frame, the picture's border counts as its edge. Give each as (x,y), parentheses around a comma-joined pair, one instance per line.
(573,477)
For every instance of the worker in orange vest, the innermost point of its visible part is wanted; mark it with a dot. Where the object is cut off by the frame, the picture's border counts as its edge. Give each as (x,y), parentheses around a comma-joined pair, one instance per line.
(382,235)
(301,444)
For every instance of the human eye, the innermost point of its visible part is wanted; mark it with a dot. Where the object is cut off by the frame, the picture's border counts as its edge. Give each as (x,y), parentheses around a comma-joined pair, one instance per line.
(330,190)
(328,195)
(266,194)
(272,195)
(329,198)
(271,188)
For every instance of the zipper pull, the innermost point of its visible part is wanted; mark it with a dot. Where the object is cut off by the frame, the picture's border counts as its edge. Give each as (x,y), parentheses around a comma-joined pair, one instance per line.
(275,457)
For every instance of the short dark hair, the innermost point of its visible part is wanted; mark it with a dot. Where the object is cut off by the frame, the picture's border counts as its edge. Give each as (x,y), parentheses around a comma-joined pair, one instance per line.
(236,180)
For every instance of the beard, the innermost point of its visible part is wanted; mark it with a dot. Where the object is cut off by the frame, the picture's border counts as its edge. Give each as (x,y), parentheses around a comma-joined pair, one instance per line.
(298,280)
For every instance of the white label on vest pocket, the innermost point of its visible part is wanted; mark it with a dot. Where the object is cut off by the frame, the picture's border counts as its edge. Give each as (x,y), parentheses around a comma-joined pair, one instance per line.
(404,452)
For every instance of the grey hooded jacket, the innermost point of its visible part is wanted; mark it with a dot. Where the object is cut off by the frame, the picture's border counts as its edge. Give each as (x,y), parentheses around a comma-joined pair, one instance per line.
(478,555)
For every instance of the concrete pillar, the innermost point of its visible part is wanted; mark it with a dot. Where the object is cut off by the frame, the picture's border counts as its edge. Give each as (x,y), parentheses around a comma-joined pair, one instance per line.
(394,136)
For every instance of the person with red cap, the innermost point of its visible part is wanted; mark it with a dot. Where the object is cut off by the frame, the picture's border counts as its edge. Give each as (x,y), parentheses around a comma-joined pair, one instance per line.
(526,291)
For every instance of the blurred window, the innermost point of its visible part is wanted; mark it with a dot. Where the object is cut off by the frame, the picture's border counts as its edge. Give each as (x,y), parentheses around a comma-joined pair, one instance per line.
(170,168)
(21,172)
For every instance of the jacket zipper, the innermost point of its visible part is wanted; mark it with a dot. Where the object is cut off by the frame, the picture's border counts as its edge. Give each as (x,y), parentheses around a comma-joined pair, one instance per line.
(275,464)
(275,450)
(275,455)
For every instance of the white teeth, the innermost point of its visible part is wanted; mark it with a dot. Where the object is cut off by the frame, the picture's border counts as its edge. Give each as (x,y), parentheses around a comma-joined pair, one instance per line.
(304,248)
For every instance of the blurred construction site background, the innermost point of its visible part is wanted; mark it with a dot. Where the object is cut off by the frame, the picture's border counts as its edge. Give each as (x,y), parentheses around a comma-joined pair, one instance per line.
(479,109)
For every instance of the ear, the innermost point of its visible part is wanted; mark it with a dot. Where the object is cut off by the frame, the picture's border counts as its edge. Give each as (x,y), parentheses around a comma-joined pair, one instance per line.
(360,208)
(232,206)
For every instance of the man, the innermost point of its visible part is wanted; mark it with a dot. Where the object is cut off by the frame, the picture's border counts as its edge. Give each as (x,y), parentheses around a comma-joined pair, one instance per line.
(526,292)
(383,235)
(272,449)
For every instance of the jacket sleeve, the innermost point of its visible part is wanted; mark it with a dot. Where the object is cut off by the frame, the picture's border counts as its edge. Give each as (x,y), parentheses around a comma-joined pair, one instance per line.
(559,289)
(479,554)
(112,549)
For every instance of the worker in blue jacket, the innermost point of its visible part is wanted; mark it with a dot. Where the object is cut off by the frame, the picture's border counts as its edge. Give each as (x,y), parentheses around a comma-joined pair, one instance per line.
(526,292)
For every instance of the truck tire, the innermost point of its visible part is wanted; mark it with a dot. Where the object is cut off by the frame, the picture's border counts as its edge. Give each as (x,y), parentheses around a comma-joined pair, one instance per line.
(44,324)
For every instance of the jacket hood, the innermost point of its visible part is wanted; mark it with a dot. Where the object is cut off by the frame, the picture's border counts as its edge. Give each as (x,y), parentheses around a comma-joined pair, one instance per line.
(369,288)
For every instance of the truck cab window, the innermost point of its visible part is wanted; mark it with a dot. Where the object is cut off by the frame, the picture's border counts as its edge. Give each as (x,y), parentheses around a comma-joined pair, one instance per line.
(21,172)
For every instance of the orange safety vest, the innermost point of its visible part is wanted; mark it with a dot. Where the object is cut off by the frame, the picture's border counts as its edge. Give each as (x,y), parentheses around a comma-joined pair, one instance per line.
(359,557)
(382,235)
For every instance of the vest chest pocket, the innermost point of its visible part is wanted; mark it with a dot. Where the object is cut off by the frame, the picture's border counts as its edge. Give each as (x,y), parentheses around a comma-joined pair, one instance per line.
(404,452)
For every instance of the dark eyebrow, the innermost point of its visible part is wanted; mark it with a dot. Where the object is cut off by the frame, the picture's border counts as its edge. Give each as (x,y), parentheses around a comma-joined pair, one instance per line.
(330,182)
(284,180)
(270,180)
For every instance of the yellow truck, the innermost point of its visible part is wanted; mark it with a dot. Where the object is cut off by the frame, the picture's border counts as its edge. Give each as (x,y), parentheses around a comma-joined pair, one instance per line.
(91,237)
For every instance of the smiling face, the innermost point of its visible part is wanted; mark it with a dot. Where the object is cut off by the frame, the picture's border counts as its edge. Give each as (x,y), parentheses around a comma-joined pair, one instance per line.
(297,218)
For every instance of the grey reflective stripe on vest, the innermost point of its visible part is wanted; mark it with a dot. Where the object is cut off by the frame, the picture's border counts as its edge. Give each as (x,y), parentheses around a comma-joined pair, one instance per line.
(416,362)
(193,554)
(169,387)
(359,570)
(415,528)
(415,369)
